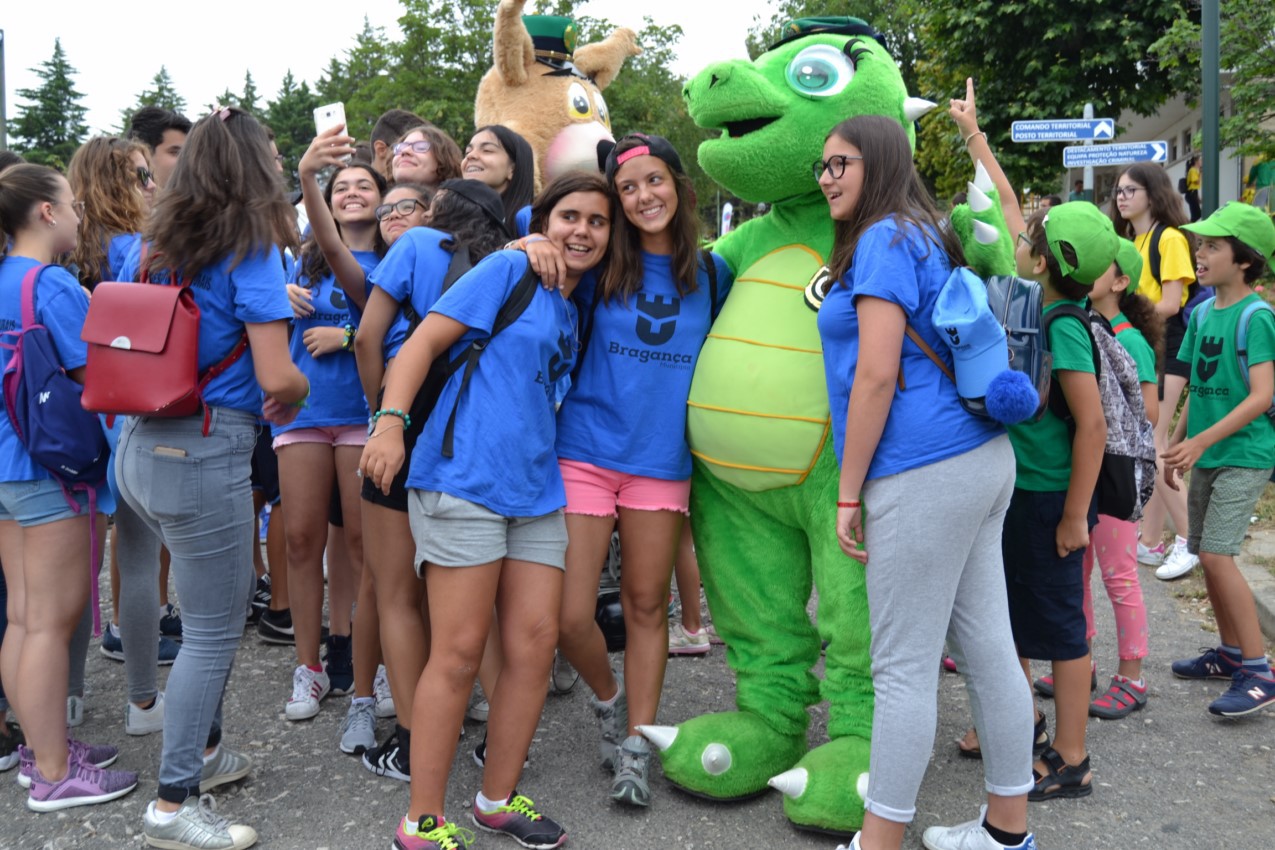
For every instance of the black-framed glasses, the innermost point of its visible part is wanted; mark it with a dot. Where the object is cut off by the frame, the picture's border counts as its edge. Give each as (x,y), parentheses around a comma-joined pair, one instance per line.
(835,165)
(145,175)
(407,206)
(422,146)
(1128,191)
(1026,240)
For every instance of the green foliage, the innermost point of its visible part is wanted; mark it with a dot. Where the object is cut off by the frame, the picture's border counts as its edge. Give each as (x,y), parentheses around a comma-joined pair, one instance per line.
(1247,36)
(1034,59)
(161,94)
(50,126)
(248,100)
(291,116)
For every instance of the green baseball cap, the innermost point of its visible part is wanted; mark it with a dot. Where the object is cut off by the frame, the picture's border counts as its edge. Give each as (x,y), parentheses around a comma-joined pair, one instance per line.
(1083,227)
(1243,221)
(1130,263)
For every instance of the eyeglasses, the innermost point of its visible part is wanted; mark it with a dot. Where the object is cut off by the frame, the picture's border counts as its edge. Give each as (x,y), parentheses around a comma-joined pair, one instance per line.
(1128,191)
(76,206)
(407,206)
(834,165)
(422,146)
(145,175)
(280,158)
(1026,240)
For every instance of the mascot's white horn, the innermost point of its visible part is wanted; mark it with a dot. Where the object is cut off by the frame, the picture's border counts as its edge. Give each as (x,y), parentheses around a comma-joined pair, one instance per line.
(982,179)
(975,197)
(985,233)
(661,736)
(915,107)
(791,782)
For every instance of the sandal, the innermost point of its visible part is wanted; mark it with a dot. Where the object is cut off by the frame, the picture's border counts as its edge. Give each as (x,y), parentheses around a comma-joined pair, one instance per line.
(1040,743)
(1063,780)
(1045,684)
(1121,699)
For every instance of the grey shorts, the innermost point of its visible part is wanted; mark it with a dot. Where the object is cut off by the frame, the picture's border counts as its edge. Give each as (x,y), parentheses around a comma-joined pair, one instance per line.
(452,532)
(1220,502)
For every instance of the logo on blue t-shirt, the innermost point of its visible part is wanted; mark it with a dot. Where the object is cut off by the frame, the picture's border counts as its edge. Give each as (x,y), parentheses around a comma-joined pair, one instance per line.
(338,299)
(1210,351)
(657,318)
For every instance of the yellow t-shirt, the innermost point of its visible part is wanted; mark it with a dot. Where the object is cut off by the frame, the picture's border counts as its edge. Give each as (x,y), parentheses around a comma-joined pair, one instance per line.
(1192,179)
(1175,262)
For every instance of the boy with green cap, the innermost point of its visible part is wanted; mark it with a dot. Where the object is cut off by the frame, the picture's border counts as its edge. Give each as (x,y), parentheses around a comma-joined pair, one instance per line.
(1065,249)
(1229,442)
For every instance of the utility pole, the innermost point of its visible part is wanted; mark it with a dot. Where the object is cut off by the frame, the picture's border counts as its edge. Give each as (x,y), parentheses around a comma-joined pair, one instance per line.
(4,124)
(1210,38)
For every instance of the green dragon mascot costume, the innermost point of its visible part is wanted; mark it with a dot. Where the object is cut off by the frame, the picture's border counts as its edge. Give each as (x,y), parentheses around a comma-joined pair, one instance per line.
(765,481)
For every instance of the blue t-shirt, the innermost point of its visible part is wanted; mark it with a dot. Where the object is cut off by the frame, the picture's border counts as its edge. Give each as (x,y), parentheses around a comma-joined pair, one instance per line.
(368,260)
(926,422)
(413,270)
(253,292)
(522,221)
(627,409)
(336,396)
(503,456)
(118,249)
(60,305)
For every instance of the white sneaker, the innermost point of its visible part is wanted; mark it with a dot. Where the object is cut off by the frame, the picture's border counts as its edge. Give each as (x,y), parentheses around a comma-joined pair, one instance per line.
(1178,563)
(967,836)
(308,689)
(74,711)
(683,642)
(562,676)
(478,711)
(1150,556)
(144,721)
(384,699)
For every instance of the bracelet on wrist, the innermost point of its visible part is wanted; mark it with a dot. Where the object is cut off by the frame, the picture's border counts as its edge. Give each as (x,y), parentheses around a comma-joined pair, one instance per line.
(972,135)
(348,341)
(303,403)
(853,503)
(390,411)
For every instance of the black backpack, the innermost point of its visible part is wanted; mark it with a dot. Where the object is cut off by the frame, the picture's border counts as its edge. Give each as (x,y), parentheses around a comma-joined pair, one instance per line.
(1127,477)
(1195,294)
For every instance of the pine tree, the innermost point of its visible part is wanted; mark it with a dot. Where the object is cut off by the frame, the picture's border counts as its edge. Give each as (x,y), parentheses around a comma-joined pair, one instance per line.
(161,94)
(291,116)
(248,100)
(51,125)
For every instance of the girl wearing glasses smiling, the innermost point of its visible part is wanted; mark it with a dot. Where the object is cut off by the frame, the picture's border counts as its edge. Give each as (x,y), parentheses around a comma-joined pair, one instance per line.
(1148,210)
(903,439)
(425,155)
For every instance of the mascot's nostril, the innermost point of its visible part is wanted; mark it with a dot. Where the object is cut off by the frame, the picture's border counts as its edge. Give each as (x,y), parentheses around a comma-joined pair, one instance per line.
(714,80)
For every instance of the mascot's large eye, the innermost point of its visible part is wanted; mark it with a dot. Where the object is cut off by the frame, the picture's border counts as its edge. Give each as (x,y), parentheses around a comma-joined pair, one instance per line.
(603,115)
(820,71)
(578,102)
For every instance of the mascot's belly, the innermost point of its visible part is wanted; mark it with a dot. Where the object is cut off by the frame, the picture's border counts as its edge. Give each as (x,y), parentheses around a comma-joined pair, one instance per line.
(758,407)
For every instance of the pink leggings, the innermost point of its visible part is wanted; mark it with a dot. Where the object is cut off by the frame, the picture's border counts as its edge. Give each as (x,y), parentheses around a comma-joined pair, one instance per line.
(1116,545)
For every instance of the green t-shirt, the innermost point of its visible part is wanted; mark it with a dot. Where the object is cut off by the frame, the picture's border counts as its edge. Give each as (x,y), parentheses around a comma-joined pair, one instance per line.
(1139,349)
(1217,385)
(1042,449)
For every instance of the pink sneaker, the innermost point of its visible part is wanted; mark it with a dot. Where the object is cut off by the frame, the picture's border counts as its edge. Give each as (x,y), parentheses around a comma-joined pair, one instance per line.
(94,755)
(431,833)
(83,785)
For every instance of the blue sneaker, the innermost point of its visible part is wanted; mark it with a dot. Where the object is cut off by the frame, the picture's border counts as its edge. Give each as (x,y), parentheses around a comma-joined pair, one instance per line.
(170,623)
(1211,664)
(112,646)
(168,650)
(1248,693)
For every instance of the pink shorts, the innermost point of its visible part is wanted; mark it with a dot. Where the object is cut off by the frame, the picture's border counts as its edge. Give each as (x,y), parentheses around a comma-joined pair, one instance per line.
(594,491)
(330,435)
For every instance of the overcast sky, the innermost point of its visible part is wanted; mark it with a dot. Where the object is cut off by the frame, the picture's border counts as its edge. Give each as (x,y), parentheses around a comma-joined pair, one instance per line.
(207,47)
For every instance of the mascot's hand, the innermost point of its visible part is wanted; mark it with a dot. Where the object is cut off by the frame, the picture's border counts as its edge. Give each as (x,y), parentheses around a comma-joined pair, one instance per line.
(980,225)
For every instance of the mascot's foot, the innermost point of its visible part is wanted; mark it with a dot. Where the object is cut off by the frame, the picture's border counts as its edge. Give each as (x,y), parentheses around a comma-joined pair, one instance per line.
(728,756)
(824,791)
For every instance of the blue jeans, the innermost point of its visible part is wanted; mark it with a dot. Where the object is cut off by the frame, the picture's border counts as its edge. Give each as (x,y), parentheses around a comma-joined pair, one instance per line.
(194,493)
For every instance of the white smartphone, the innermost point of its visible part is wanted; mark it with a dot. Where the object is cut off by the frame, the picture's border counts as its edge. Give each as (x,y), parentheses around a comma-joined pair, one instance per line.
(327,117)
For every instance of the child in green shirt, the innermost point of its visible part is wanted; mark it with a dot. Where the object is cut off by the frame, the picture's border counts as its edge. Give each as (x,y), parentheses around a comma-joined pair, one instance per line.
(1225,437)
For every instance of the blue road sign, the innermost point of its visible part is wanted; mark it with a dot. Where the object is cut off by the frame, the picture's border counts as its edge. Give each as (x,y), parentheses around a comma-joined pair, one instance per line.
(1064,130)
(1081,156)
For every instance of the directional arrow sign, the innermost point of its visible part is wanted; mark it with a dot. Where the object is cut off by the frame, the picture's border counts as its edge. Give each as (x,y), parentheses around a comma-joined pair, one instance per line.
(1064,130)
(1118,154)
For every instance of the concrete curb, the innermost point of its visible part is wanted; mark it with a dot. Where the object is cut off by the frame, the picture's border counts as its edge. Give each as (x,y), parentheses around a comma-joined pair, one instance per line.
(1261,546)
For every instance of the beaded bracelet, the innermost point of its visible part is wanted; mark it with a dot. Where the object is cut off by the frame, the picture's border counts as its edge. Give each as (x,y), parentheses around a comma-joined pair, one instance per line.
(348,342)
(305,399)
(390,411)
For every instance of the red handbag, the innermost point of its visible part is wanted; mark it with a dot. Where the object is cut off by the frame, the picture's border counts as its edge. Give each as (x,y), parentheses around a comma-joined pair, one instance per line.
(143,350)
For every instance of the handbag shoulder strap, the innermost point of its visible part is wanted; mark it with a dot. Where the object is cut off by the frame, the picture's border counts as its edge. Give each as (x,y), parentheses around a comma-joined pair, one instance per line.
(928,352)
(28,294)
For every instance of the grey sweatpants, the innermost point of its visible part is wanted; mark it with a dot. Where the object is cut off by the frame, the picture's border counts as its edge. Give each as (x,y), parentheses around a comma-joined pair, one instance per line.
(933,537)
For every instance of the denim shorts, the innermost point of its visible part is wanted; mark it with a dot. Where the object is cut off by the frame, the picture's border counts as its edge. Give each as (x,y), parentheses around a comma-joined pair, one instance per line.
(42,501)
(453,532)
(1046,593)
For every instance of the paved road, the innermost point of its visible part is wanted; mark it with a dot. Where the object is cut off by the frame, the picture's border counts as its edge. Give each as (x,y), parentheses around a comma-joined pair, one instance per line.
(1171,777)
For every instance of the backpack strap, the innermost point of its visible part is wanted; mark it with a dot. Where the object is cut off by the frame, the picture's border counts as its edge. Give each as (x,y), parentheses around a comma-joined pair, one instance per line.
(711,268)
(1153,251)
(1241,334)
(28,294)
(1057,401)
(928,352)
(515,305)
